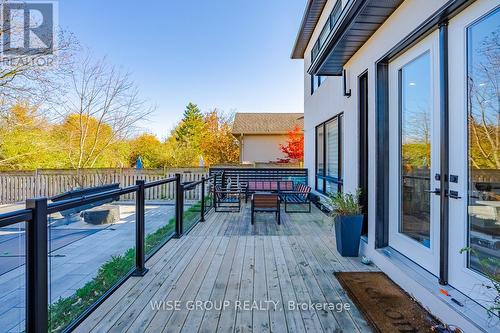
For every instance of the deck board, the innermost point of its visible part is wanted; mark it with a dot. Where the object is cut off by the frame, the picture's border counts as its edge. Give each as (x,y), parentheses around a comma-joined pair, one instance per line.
(228,259)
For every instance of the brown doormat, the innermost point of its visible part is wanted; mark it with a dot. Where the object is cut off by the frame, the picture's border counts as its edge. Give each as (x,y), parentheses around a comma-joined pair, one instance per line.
(384,304)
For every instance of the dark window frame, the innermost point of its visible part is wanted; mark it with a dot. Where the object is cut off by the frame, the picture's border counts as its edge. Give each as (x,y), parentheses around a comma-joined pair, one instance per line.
(315,83)
(330,23)
(323,178)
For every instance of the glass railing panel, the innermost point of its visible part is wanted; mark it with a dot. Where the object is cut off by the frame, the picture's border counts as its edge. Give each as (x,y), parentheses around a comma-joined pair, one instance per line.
(192,206)
(91,248)
(12,277)
(159,216)
(209,185)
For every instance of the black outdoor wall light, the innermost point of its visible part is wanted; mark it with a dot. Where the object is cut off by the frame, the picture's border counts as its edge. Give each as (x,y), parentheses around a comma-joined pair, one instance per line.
(346,93)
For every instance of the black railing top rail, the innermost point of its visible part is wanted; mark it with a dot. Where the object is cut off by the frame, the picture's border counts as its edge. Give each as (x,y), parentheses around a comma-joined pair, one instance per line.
(80,192)
(25,215)
(160,182)
(77,202)
(17,216)
(191,185)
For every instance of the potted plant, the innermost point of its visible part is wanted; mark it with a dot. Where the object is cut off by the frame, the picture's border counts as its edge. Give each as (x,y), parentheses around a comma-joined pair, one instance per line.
(348,221)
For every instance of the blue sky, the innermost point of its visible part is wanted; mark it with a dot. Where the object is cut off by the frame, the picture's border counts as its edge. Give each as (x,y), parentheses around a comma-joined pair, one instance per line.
(230,54)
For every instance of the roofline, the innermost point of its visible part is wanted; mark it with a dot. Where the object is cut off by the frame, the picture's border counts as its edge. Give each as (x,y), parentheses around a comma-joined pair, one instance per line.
(303,38)
(273,113)
(260,133)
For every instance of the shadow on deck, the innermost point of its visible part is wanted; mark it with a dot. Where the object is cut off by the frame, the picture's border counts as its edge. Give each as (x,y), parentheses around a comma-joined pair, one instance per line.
(229,276)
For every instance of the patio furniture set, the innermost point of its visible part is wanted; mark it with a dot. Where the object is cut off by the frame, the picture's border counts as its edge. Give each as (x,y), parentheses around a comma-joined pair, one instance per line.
(266,197)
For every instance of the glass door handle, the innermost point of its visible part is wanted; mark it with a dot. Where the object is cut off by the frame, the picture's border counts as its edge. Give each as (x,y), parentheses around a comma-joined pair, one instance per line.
(435,191)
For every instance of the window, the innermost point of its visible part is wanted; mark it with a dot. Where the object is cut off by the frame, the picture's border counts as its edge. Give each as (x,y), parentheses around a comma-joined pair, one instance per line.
(334,16)
(320,156)
(316,81)
(327,28)
(329,156)
(324,33)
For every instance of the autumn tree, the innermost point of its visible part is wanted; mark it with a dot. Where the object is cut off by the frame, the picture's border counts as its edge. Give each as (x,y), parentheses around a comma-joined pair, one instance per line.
(218,146)
(149,148)
(294,147)
(26,141)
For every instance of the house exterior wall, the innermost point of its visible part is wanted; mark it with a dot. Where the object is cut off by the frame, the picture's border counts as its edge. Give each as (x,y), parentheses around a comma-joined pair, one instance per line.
(261,148)
(328,101)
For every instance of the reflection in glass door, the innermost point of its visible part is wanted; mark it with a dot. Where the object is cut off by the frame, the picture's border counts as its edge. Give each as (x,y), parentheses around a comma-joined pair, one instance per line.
(483,79)
(415,110)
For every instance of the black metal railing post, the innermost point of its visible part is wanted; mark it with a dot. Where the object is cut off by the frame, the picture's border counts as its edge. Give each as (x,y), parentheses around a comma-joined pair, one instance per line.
(214,203)
(37,294)
(140,256)
(179,203)
(202,219)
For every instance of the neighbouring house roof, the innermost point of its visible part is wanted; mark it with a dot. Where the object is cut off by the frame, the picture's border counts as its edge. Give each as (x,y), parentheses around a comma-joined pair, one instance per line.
(266,123)
(313,11)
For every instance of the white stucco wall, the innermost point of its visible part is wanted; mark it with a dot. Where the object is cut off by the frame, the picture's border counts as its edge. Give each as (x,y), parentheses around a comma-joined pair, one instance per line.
(328,100)
(261,148)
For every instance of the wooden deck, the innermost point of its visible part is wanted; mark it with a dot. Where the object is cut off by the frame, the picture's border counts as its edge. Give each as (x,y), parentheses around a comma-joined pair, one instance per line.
(225,259)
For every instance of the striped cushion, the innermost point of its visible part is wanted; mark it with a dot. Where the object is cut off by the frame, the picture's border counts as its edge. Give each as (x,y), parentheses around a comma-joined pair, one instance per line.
(295,198)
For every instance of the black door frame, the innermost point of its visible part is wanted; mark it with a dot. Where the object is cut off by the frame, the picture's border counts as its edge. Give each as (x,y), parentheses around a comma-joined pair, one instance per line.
(363,146)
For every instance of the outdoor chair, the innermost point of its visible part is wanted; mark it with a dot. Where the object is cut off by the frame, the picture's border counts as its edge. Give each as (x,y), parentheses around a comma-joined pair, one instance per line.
(265,203)
(227,200)
(299,196)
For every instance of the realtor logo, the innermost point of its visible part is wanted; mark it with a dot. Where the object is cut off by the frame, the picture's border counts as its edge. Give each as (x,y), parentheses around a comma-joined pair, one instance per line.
(27,28)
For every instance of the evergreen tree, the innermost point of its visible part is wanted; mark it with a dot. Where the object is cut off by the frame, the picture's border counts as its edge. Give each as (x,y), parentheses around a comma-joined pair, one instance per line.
(189,131)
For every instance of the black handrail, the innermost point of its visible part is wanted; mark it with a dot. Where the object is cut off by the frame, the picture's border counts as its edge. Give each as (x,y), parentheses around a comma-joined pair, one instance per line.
(159,182)
(36,215)
(17,216)
(85,200)
(188,186)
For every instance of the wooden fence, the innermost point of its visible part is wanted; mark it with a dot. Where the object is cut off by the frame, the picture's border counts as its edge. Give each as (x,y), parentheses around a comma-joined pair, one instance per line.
(17,186)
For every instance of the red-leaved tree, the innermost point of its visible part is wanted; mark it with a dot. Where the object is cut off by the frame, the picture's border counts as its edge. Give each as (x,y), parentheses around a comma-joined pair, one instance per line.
(294,147)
